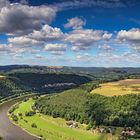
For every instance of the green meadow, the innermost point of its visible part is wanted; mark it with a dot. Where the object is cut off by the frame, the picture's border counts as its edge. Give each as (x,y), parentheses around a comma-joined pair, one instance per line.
(50,128)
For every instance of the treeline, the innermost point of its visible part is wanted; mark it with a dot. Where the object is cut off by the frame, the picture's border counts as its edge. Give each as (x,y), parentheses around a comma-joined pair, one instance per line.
(79,105)
(69,105)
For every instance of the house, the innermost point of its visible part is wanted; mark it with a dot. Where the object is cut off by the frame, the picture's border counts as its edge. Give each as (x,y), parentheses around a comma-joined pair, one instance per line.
(128,132)
(72,124)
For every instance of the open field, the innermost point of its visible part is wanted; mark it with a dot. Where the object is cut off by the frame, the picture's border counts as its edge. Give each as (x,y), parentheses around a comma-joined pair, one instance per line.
(122,87)
(50,128)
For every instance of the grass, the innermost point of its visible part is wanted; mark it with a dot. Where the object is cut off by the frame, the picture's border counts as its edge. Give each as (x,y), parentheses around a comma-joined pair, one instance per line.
(123,87)
(51,128)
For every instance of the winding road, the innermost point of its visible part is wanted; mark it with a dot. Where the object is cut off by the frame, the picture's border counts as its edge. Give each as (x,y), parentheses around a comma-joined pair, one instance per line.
(8,130)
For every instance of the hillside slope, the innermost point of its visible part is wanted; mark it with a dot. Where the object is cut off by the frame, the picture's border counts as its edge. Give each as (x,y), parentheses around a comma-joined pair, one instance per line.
(10,86)
(77,104)
(50,82)
(19,83)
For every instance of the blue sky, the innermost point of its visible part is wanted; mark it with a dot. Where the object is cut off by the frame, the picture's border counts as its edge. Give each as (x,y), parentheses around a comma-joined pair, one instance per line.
(93,33)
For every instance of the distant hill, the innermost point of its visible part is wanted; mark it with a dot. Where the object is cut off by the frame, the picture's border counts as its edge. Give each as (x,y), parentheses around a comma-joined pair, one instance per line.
(50,82)
(94,73)
(12,67)
(15,84)
(47,79)
(64,69)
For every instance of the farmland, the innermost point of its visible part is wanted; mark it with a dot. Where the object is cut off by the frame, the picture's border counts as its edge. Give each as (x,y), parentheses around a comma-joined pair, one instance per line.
(122,87)
(49,127)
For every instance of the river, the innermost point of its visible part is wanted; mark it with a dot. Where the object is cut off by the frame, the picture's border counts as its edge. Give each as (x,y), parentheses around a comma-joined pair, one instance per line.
(8,130)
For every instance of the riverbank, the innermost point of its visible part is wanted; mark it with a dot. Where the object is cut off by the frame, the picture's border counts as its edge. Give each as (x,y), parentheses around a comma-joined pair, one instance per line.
(8,131)
(48,127)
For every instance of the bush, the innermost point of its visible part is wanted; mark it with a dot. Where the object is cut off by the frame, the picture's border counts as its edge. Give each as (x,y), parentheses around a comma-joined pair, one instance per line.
(14,117)
(41,135)
(35,97)
(30,113)
(26,99)
(91,125)
(13,108)
(26,121)
(88,127)
(34,125)
(20,114)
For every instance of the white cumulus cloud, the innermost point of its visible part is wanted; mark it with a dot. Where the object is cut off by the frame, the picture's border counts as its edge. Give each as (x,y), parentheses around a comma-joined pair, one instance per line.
(131,37)
(57,49)
(84,39)
(17,18)
(75,23)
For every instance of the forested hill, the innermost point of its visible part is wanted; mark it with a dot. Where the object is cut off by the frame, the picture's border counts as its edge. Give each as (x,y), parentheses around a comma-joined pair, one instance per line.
(94,110)
(50,82)
(48,79)
(64,69)
(94,73)
(15,84)
(10,86)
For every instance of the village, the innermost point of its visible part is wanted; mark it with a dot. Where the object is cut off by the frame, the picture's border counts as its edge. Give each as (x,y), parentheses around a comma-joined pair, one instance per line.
(125,133)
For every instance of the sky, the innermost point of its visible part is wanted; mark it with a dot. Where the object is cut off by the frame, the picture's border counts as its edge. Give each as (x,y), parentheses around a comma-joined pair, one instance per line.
(88,33)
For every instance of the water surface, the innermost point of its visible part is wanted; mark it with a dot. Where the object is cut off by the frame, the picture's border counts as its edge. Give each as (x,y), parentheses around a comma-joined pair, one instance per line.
(8,130)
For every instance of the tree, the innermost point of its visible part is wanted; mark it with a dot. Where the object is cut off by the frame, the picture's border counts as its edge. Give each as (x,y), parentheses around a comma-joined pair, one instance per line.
(34,125)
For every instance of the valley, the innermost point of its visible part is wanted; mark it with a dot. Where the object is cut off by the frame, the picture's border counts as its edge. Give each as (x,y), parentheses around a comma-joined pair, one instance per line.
(47,127)
(101,102)
(69,69)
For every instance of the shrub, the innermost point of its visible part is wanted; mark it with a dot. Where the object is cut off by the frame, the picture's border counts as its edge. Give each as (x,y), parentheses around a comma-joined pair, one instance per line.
(14,117)
(20,114)
(26,121)
(13,108)
(41,135)
(34,125)
(35,97)
(88,127)
(30,113)
(26,99)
